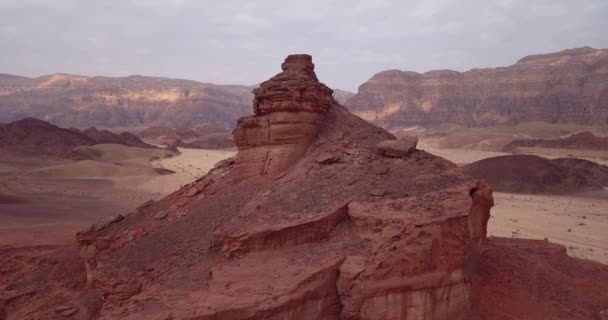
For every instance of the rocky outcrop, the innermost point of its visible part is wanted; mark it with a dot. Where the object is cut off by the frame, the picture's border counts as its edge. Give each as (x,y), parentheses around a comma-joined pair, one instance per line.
(580,141)
(533,174)
(536,279)
(569,86)
(124,138)
(308,221)
(288,110)
(397,148)
(33,137)
(77,101)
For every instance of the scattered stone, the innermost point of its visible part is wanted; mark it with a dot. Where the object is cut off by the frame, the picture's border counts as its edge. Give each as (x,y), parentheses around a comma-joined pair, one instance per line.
(193,191)
(146,205)
(62,308)
(68,313)
(397,148)
(378,192)
(65,311)
(107,221)
(160,215)
(327,158)
(181,202)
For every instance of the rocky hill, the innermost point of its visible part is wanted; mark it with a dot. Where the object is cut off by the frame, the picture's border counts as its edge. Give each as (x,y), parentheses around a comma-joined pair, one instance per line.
(34,137)
(533,174)
(77,101)
(125,138)
(569,86)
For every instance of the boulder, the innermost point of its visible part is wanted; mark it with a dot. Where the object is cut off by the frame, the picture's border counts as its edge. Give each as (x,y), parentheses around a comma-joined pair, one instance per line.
(397,148)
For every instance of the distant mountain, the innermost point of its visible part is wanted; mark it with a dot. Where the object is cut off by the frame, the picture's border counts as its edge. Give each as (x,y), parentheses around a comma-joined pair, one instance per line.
(31,136)
(342,96)
(35,137)
(78,101)
(126,138)
(531,174)
(570,86)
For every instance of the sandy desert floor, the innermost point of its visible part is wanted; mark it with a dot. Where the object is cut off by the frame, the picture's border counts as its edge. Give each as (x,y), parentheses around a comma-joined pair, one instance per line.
(50,205)
(47,202)
(190,165)
(579,223)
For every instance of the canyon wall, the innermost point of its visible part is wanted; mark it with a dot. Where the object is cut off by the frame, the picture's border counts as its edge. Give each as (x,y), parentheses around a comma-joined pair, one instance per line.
(81,102)
(569,86)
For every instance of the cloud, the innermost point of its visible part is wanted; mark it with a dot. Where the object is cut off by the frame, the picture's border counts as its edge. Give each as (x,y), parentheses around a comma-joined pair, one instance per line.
(244,41)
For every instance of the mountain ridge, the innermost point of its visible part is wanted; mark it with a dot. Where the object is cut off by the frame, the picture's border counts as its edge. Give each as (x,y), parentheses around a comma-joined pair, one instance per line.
(569,86)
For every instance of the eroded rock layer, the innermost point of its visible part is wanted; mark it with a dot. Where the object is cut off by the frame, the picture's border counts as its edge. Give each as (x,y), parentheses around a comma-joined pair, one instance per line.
(569,86)
(77,101)
(311,220)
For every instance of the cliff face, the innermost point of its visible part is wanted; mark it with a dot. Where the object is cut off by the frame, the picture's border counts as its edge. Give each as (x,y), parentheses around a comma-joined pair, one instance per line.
(569,86)
(313,219)
(76,101)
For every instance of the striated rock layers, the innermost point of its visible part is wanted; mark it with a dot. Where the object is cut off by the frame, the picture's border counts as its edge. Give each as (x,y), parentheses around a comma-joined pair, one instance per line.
(309,221)
(77,101)
(569,86)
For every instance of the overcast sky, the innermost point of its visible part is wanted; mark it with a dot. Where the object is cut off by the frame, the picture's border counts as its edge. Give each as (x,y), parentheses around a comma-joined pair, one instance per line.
(244,42)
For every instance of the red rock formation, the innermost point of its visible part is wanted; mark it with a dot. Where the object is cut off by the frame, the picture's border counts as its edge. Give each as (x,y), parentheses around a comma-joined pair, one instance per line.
(536,280)
(569,86)
(308,221)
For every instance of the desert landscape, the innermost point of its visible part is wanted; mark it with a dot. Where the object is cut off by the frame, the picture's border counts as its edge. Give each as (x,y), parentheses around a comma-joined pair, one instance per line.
(425,193)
